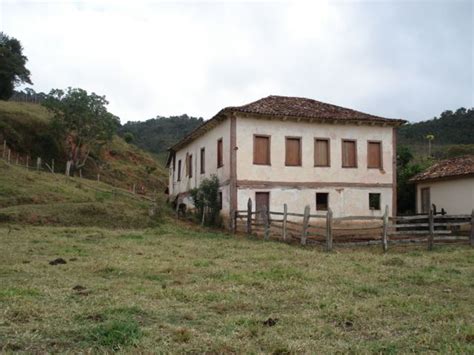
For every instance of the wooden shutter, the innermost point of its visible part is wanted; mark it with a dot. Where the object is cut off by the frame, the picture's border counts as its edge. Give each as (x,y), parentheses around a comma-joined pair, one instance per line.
(293,152)
(179,170)
(349,155)
(425,200)
(374,155)
(261,150)
(190,166)
(203,160)
(321,152)
(219,153)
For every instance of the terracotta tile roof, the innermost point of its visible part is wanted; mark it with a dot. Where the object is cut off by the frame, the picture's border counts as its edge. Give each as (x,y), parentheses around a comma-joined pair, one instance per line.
(306,108)
(460,166)
(288,107)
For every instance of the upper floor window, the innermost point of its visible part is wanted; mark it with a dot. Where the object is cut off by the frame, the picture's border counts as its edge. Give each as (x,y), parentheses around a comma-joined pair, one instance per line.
(349,153)
(203,160)
(293,151)
(179,170)
(374,155)
(190,165)
(220,161)
(321,152)
(261,150)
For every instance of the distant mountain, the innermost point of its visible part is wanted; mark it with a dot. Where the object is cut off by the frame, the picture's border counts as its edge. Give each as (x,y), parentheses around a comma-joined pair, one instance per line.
(157,134)
(449,128)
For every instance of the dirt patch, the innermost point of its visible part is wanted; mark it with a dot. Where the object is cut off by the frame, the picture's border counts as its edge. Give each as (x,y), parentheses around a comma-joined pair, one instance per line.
(270,322)
(58,261)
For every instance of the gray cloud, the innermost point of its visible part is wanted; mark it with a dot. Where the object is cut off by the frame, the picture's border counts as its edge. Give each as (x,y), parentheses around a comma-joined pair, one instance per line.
(409,59)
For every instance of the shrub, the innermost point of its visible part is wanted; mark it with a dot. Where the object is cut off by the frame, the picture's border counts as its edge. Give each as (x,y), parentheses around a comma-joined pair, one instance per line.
(128,137)
(206,200)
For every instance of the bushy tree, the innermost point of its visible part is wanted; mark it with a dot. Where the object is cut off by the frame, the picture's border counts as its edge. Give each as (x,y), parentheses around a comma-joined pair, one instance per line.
(206,200)
(12,66)
(83,122)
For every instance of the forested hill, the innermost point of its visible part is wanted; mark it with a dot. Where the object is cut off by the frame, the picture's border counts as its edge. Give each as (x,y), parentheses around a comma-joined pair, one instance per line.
(158,134)
(449,128)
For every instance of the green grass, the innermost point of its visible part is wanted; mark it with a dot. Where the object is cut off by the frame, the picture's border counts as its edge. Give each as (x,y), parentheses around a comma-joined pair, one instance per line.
(176,288)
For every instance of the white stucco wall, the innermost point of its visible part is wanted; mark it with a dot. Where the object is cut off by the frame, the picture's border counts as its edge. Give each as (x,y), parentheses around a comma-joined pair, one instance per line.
(246,170)
(209,142)
(456,196)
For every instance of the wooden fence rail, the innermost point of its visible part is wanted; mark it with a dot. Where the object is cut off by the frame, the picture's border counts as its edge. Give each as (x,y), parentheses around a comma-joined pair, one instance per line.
(323,229)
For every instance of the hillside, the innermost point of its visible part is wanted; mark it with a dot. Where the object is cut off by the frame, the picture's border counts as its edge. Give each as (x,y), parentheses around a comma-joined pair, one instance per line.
(41,198)
(156,135)
(25,127)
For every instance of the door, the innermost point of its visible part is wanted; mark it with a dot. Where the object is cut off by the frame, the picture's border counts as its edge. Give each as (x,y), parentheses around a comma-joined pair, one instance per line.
(261,199)
(425,200)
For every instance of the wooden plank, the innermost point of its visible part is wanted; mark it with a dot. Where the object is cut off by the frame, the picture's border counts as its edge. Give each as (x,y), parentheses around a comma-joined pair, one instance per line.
(427,232)
(305,224)
(317,216)
(357,228)
(431,230)
(285,221)
(329,230)
(266,223)
(408,225)
(408,218)
(454,216)
(385,230)
(357,218)
(249,216)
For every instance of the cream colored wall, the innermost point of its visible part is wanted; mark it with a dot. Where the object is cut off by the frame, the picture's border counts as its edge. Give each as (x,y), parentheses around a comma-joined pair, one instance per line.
(209,142)
(456,196)
(246,170)
(342,201)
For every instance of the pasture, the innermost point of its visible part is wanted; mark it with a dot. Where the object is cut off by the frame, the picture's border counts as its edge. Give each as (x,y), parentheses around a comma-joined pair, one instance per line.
(179,288)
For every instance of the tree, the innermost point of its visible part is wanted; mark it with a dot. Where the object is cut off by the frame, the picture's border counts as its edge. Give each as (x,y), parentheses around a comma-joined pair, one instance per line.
(12,66)
(206,200)
(83,122)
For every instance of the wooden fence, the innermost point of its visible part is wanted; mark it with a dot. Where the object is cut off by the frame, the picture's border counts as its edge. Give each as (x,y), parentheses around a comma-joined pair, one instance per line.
(323,229)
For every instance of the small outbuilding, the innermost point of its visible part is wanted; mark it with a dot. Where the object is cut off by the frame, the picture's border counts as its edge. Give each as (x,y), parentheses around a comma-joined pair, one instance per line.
(448,185)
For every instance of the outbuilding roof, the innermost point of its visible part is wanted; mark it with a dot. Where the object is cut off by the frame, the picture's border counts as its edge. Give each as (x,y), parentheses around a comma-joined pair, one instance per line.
(286,107)
(455,167)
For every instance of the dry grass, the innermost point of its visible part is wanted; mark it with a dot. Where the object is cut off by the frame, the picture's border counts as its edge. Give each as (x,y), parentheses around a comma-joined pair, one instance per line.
(175,288)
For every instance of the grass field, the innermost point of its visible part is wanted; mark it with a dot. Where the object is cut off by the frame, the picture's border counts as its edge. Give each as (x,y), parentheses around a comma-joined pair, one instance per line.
(177,288)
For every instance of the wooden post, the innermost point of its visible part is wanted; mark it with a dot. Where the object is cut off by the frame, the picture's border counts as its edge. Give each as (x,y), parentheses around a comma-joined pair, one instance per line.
(249,216)
(285,217)
(203,215)
(234,221)
(431,227)
(266,220)
(38,163)
(52,166)
(98,177)
(133,188)
(471,237)
(329,230)
(4,151)
(305,225)
(27,161)
(17,156)
(385,230)
(9,153)
(68,168)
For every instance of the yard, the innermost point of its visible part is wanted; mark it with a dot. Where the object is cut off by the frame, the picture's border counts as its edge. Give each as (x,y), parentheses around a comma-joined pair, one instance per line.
(178,288)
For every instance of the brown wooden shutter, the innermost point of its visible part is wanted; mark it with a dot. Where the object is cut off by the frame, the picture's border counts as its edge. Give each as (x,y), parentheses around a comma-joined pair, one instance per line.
(203,160)
(374,158)
(293,152)
(349,157)
(190,166)
(261,150)
(219,153)
(179,170)
(321,152)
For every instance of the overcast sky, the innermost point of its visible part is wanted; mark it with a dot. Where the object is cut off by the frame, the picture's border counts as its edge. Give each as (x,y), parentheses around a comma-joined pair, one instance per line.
(402,59)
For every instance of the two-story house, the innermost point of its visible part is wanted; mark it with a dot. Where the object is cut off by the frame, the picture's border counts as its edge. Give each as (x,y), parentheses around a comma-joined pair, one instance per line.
(291,150)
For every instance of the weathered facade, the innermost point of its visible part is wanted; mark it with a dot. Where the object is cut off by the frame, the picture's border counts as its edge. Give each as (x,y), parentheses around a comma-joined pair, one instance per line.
(291,150)
(448,185)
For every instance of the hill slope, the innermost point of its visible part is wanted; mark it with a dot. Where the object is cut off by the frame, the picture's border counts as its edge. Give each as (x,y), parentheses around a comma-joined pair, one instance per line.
(25,127)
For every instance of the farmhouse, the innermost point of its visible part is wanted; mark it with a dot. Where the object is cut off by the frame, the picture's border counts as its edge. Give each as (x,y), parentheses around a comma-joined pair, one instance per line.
(291,150)
(447,185)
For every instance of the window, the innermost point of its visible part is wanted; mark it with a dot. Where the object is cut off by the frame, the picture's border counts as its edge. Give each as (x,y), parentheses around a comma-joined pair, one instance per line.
(179,170)
(321,152)
(219,153)
(293,151)
(203,160)
(322,201)
(261,150)
(349,154)
(220,200)
(374,155)
(190,166)
(374,201)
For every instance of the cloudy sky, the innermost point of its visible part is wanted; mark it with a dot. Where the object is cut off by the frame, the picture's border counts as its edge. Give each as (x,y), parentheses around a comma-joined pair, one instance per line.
(403,59)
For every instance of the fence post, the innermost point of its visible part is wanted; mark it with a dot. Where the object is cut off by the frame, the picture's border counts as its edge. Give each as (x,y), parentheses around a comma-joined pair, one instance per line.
(249,216)
(234,221)
(27,161)
(431,227)
(98,177)
(68,167)
(52,166)
(9,153)
(4,151)
(38,163)
(285,217)
(471,237)
(329,230)
(305,225)
(80,174)
(17,156)
(266,220)
(385,230)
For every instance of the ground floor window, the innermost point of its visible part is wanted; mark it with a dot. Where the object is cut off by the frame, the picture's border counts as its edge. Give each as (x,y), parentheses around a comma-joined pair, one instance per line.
(374,201)
(322,201)
(220,200)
